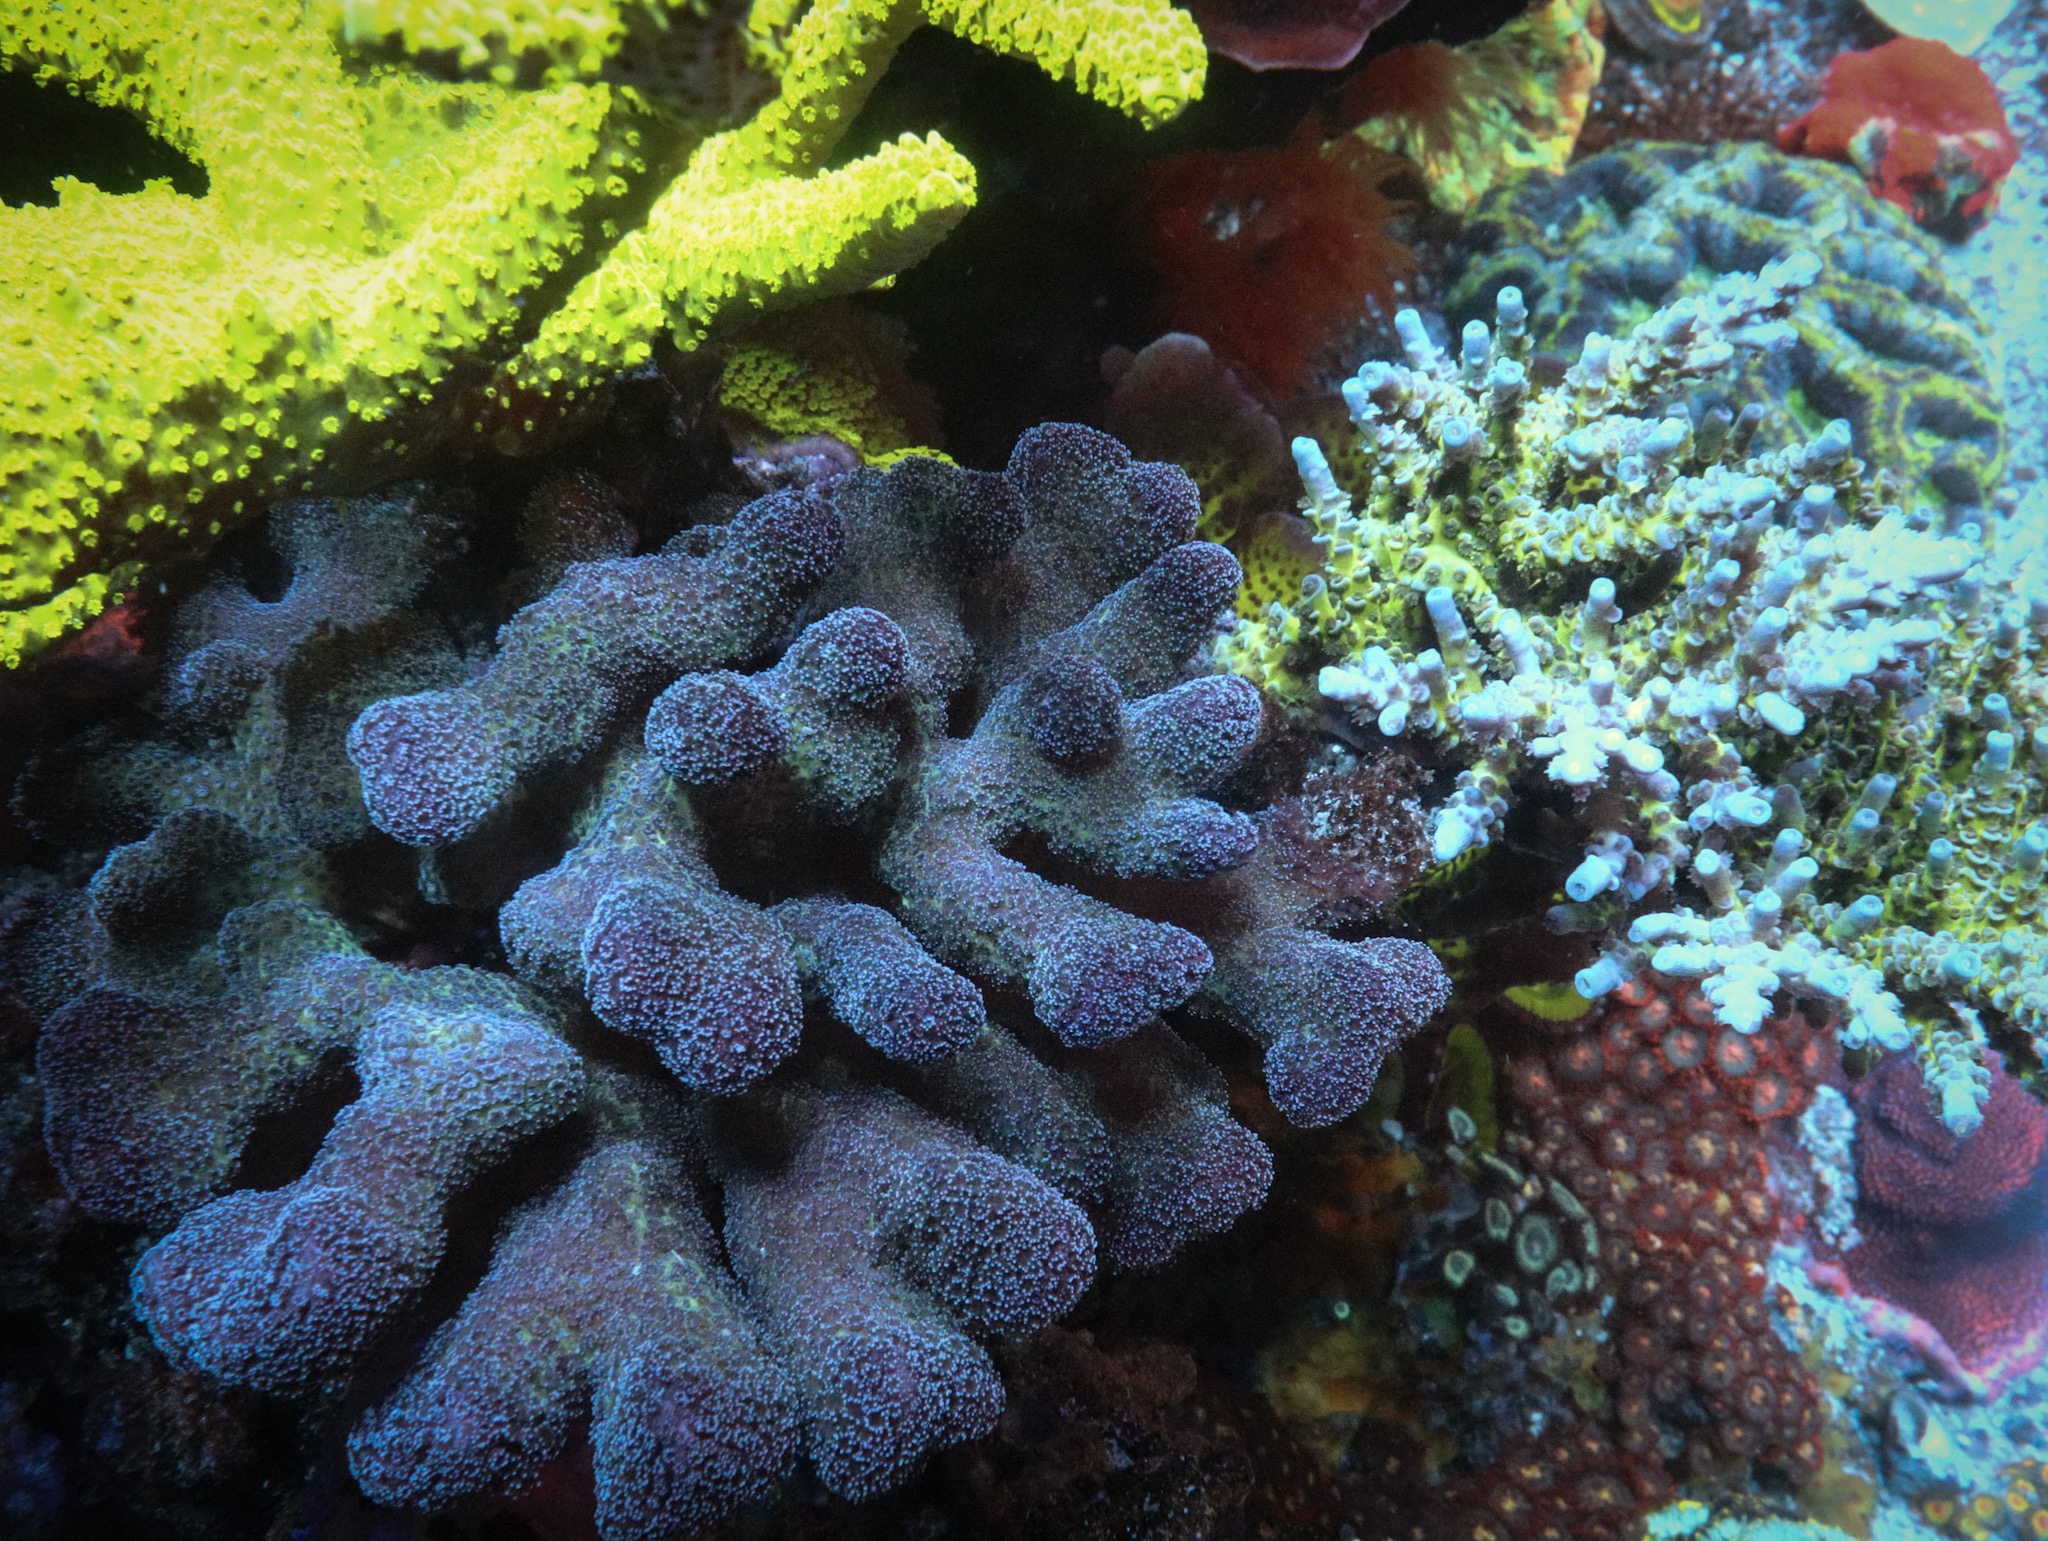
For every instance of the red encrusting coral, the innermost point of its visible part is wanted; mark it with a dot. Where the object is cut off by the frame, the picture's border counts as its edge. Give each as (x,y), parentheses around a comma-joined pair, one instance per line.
(1923,124)
(1652,1117)
(1269,254)
(1291,34)
(1955,1230)
(1568,1483)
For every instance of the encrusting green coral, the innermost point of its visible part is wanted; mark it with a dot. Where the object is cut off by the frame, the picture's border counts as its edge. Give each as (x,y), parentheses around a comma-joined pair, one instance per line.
(828,370)
(1750,671)
(374,237)
(1886,340)
(1512,101)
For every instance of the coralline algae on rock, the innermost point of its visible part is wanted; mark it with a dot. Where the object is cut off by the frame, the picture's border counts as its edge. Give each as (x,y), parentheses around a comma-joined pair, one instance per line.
(1955,1229)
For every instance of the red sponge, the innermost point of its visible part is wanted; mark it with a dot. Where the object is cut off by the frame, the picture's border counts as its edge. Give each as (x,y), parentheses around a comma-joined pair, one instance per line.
(1922,122)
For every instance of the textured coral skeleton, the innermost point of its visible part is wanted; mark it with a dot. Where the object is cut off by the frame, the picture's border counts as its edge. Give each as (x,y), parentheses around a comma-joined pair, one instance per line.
(952,732)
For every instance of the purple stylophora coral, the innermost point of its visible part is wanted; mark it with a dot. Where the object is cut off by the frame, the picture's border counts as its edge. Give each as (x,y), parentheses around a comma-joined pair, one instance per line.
(856,859)
(607,1296)
(570,665)
(876,1254)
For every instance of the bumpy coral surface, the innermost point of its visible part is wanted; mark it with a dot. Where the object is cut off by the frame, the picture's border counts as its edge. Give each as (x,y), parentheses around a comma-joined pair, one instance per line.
(1955,1229)
(1923,124)
(1750,673)
(1887,340)
(179,361)
(890,837)
(1093,744)
(2014,1502)
(1652,1117)
(826,370)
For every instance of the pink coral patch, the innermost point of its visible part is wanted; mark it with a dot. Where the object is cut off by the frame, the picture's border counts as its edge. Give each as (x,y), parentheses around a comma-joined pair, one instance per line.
(1291,34)
(1956,1230)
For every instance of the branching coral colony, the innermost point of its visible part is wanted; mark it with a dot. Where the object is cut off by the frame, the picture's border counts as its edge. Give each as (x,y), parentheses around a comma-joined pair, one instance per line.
(1886,337)
(949,732)
(377,238)
(1802,731)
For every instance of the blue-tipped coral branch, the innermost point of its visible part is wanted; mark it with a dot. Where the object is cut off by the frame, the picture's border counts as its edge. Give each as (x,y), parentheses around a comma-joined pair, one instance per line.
(1804,726)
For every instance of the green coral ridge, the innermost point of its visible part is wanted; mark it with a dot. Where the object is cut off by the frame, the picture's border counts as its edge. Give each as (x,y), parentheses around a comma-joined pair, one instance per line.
(1688,1520)
(1752,672)
(1886,339)
(1519,104)
(375,238)
(505,39)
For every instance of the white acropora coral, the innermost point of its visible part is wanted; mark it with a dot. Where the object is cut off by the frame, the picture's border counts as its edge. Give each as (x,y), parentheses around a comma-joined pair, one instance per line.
(1805,726)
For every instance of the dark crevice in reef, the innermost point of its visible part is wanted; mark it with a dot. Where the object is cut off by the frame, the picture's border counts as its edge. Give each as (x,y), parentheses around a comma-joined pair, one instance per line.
(50,133)
(285,1140)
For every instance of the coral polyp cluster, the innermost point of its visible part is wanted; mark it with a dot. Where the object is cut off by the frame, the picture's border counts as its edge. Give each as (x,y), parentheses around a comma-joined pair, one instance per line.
(1653,1119)
(1567,1482)
(1602,1282)
(891,832)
